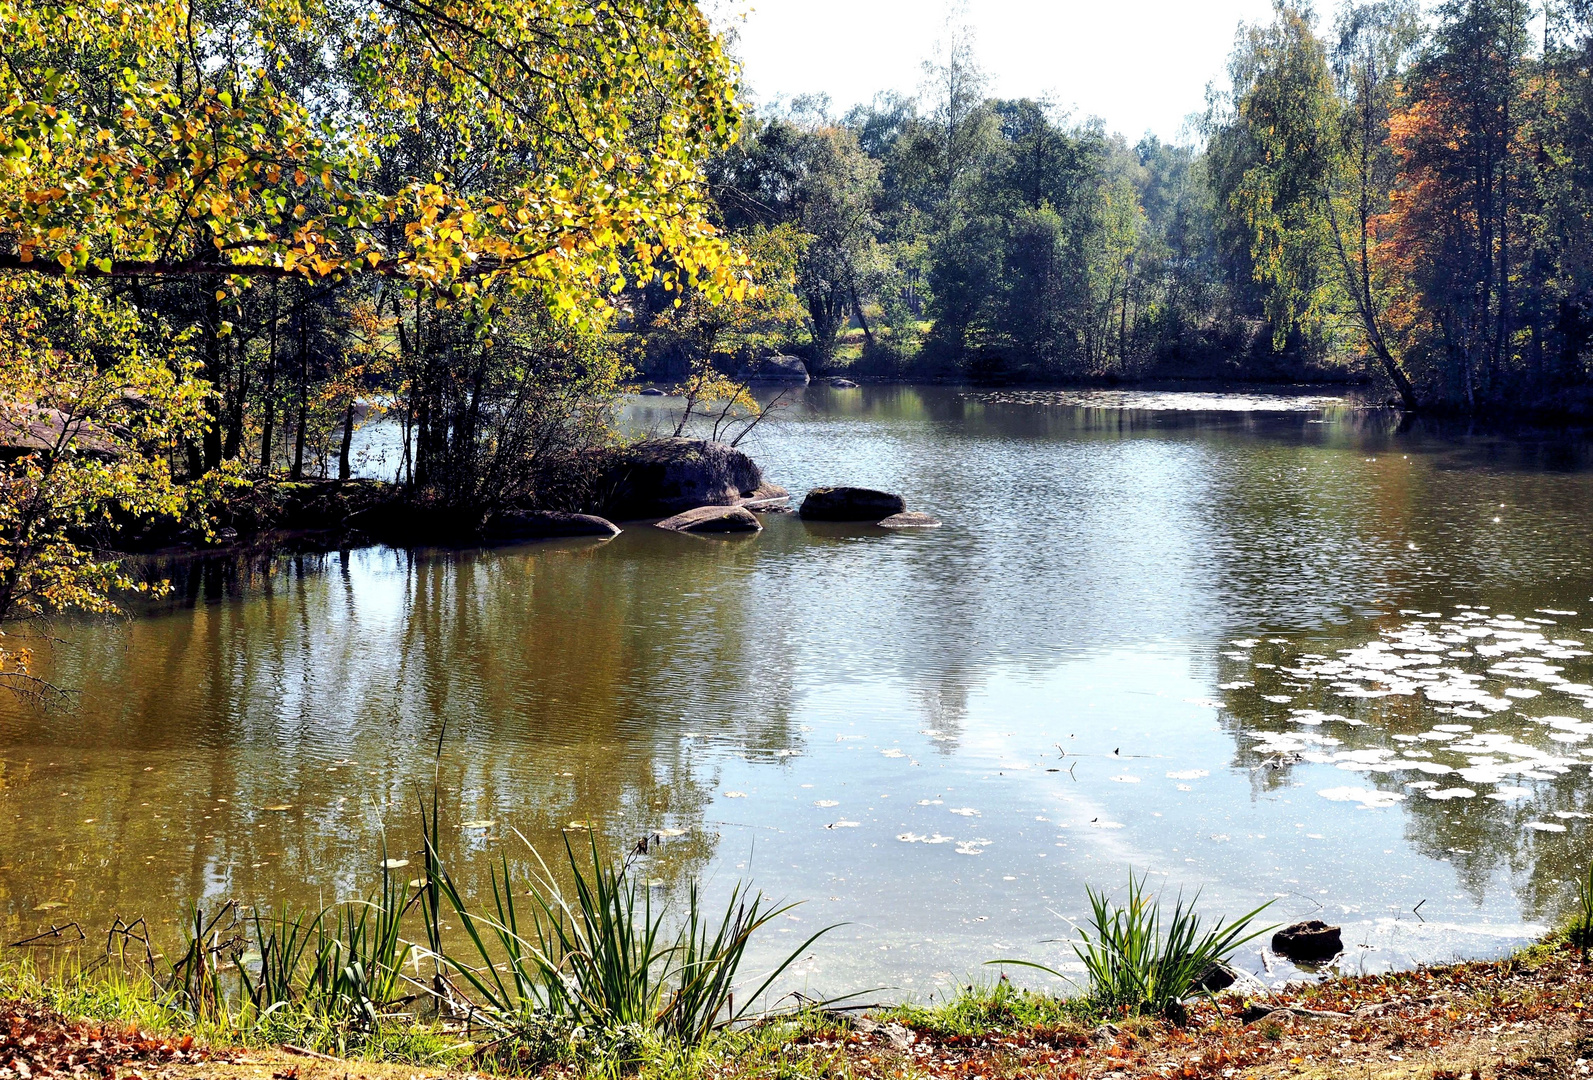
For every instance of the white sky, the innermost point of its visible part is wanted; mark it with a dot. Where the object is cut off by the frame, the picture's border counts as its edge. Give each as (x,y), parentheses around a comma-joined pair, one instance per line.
(1140,65)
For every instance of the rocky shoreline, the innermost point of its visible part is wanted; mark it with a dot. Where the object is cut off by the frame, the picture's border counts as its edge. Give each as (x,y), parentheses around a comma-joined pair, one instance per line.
(677,484)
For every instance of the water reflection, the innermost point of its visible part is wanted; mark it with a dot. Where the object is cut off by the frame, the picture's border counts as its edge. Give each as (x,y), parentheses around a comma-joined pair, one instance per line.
(1492,789)
(935,736)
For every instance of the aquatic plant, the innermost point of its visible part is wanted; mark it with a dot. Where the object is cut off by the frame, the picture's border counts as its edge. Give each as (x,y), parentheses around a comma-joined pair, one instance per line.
(340,967)
(594,970)
(599,954)
(1139,959)
(281,940)
(195,983)
(1581,932)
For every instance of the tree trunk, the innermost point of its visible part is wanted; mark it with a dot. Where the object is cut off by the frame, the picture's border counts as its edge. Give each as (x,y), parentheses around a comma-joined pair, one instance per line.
(297,472)
(216,376)
(240,393)
(862,320)
(268,425)
(344,471)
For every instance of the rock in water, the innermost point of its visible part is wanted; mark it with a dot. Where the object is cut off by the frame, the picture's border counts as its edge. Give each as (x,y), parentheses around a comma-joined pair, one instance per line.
(1309,942)
(851,504)
(544,524)
(767,498)
(1217,976)
(713,519)
(909,520)
(653,391)
(665,476)
(779,369)
(843,384)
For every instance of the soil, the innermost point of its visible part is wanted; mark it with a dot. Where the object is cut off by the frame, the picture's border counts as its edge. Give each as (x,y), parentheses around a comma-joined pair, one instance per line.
(1527,1017)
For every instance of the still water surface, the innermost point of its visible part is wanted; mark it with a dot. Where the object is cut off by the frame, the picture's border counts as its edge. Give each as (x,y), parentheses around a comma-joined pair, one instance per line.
(1262,646)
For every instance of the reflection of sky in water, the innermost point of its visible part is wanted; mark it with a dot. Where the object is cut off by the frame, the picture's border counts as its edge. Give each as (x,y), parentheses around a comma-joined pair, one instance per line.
(1144,637)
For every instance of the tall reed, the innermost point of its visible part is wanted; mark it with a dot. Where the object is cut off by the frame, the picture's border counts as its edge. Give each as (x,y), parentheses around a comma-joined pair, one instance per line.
(341,966)
(1139,959)
(601,954)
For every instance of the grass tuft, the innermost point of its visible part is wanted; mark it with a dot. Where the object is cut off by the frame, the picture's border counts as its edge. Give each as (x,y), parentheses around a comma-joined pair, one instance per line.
(599,958)
(1140,959)
(980,1009)
(1580,932)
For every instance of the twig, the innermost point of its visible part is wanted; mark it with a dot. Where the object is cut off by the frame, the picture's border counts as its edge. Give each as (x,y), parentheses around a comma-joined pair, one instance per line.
(289,1048)
(39,940)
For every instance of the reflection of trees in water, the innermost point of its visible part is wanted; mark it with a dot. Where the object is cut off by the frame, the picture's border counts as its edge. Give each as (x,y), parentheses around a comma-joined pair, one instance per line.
(327,684)
(1068,530)
(944,706)
(1483,839)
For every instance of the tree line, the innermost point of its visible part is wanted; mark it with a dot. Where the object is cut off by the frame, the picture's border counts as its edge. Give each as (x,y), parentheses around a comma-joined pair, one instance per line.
(1379,193)
(231,232)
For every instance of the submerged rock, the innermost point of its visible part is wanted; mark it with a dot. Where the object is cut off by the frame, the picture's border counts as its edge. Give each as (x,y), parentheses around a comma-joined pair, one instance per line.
(660,477)
(909,519)
(713,519)
(843,384)
(653,391)
(851,504)
(783,369)
(766,498)
(1309,942)
(543,524)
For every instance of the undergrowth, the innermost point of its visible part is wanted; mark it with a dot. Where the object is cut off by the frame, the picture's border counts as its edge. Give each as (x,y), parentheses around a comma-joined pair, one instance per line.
(979,1009)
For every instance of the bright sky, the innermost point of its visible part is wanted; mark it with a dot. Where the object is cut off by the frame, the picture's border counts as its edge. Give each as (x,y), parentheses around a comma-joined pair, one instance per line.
(1140,65)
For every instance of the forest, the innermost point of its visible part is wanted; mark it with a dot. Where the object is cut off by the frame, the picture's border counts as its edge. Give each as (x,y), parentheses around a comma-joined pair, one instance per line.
(1367,194)
(230,234)
(410,648)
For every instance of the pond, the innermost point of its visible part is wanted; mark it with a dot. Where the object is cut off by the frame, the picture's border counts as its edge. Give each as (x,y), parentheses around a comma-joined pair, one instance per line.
(1265,646)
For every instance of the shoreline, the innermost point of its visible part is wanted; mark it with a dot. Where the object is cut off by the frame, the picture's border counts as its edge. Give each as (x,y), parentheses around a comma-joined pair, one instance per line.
(1528,1015)
(322,515)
